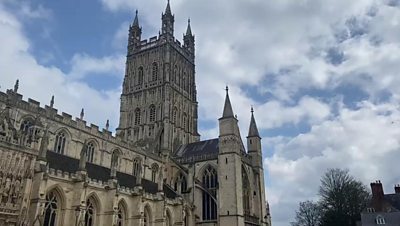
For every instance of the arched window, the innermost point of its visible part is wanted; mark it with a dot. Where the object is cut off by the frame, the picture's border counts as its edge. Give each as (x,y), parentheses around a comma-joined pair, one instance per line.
(184,121)
(147,216)
(90,152)
(25,125)
(137,167)
(137,116)
(168,219)
(174,114)
(115,159)
(181,183)
(380,220)
(154,171)
(246,192)
(121,215)
(140,76)
(90,213)
(52,209)
(59,144)
(152,111)
(210,181)
(154,72)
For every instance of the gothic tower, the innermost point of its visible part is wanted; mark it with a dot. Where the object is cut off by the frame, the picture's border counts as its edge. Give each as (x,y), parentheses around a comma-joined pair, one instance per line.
(158,101)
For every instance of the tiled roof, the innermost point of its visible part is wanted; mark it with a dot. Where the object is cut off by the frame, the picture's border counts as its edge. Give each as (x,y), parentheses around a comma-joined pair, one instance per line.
(197,149)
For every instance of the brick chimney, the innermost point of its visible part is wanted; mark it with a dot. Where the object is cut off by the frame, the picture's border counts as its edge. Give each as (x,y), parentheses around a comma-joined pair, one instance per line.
(377,190)
(397,188)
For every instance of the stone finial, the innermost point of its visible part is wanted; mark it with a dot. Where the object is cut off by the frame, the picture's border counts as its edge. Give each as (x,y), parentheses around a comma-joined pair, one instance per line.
(82,114)
(16,86)
(52,101)
(107,124)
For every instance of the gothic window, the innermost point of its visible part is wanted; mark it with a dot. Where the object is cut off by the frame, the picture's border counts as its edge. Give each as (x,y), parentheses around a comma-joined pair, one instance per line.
(140,76)
(90,213)
(154,72)
(137,167)
(115,159)
(184,121)
(175,75)
(52,209)
(174,115)
(147,216)
(59,144)
(154,171)
(25,125)
(152,113)
(121,215)
(90,152)
(168,219)
(182,182)
(137,116)
(210,181)
(246,192)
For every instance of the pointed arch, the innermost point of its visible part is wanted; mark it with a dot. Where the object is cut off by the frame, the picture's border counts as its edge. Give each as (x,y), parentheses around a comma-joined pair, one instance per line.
(152,113)
(210,185)
(168,218)
(137,167)
(186,216)
(54,205)
(154,171)
(180,184)
(122,211)
(115,158)
(147,216)
(91,147)
(61,140)
(92,210)
(140,77)
(154,75)
(137,116)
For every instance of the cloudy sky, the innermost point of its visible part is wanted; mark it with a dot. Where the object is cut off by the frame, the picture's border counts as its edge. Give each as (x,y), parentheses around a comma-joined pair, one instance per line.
(321,75)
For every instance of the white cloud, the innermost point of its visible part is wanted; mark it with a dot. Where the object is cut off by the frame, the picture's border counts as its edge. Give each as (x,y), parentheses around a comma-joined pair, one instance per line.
(40,82)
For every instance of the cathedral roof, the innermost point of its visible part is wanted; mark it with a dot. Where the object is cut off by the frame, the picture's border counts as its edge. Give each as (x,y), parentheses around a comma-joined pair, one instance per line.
(71,165)
(198,151)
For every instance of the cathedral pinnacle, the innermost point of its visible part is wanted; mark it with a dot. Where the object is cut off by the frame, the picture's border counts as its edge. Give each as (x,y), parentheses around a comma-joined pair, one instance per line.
(168,9)
(82,114)
(189,30)
(228,112)
(52,101)
(253,131)
(136,20)
(16,86)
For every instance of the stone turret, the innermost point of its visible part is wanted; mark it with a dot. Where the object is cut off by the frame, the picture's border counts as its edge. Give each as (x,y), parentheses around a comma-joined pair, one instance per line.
(254,142)
(167,28)
(188,39)
(135,34)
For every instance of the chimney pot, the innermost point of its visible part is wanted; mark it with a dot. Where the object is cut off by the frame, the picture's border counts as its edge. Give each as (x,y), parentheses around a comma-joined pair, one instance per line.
(377,190)
(397,189)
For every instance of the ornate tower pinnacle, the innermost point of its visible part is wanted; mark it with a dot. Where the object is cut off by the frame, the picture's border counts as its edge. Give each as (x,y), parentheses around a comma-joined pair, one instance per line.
(253,131)
(188,39)
(167,28)
(135,34)
(228,112)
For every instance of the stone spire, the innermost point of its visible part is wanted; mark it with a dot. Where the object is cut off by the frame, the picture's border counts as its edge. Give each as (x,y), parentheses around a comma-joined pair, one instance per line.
(82,114)
(253,131)
(16,86)
(189,29)
(228,112)
(168,9)
(52,101)
(107,124)
(136,20)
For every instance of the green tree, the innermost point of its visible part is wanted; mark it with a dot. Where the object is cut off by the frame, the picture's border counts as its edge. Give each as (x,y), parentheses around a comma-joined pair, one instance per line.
(342,198)
(309,214)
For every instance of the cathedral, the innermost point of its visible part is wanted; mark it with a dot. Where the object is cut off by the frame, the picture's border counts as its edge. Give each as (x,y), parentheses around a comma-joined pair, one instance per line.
(56,170)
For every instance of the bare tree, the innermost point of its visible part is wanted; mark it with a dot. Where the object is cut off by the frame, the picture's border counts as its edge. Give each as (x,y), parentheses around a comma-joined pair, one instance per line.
(308,214)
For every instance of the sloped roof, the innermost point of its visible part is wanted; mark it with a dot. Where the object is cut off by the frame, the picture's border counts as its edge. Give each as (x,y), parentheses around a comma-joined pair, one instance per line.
(206,149)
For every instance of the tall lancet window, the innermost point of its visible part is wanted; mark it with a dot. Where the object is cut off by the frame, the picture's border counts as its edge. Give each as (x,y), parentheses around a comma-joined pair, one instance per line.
(137,116)
(59,144)
(152,110)
(154,72)
(154,171)
(121,214)
(90,152)
(90,213)
(210,181)
(246,192)
(52,209)
(140,76)
(137,167)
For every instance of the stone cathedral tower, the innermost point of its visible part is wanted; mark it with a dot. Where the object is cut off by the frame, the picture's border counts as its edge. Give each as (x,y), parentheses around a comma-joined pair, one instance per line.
(158,101)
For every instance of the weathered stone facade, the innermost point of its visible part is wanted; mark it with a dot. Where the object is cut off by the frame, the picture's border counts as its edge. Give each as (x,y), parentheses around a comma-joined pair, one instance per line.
(56,170)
